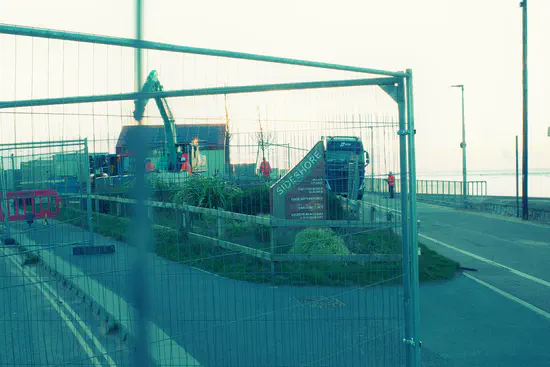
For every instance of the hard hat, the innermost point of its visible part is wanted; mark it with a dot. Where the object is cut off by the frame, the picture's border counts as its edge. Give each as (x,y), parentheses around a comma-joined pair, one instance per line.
(390,172)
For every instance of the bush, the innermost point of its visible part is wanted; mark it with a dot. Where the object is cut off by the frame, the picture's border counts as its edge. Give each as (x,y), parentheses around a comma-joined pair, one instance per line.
(252,201)
(262,233)
(380,241)
(335,207)
(207,192)
(163,191)
(318,241)
(235,228)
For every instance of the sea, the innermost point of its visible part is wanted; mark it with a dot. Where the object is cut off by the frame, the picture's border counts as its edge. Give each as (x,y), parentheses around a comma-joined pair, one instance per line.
(501,183)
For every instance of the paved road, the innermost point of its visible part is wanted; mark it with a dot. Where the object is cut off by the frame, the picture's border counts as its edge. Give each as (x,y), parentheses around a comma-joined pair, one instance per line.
(223,322)
(41,321)
(498,314)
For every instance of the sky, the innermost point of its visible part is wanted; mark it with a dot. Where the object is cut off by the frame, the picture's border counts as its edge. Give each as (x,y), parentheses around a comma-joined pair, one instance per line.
(444,42)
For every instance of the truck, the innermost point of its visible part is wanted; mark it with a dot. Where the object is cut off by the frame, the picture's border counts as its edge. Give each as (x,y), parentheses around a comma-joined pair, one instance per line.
(346,160)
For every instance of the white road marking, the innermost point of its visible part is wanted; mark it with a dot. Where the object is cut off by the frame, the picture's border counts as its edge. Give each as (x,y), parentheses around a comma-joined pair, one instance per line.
(84,327)
(480,258)
(63,315)
(487,261)
(163,348)
(510,297)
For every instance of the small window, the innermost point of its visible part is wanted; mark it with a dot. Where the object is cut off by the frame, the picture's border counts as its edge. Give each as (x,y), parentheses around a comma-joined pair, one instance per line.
(28,205)
(53,207)
(44,202)
(37,205)
(20,207)
(13,206)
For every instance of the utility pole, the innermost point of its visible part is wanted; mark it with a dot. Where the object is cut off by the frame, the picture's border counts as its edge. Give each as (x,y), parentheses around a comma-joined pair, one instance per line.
(4,205)
(517,178)
(13,172)
(463,146)
(371,155)
(525,170)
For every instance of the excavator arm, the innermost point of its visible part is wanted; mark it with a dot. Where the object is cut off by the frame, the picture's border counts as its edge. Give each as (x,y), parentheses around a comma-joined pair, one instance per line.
(152,84)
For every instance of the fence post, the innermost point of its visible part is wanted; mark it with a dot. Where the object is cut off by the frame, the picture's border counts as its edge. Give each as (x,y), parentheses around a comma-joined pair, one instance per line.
(187,220)
(272,248)
(88,194)
(405,233)
(414,320)
(454,191)
(221,225)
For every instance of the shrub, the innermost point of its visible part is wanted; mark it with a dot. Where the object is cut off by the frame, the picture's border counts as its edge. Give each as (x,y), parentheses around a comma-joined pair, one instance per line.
(235,228)
(262,233)
(318,241)
(252,201)
(207,192)
(163,191)
(335,207)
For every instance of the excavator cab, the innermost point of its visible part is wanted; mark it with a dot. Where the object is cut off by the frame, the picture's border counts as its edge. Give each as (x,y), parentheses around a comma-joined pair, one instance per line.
(191,152)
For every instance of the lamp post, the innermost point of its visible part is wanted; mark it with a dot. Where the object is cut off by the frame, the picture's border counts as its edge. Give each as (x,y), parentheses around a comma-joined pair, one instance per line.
(525,161)
(463,146)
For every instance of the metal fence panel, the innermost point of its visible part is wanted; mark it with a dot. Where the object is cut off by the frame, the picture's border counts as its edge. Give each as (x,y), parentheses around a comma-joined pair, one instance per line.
(250,251)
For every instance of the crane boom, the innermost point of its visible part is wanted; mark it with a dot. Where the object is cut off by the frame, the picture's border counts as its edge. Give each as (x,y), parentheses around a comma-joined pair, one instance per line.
(152,84)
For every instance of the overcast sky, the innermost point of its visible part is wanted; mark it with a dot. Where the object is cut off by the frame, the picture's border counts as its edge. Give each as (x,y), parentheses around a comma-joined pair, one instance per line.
(475,43)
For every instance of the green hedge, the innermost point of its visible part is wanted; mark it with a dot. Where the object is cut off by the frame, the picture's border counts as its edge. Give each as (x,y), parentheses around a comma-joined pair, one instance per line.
(318,241)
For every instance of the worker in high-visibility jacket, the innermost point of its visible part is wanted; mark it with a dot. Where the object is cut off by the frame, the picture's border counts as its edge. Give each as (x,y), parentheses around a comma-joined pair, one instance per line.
(149,166)
(185,166)
(391,184)
(265,168)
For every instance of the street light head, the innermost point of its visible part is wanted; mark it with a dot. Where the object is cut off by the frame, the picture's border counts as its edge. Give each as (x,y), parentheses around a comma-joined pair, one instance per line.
(457,86)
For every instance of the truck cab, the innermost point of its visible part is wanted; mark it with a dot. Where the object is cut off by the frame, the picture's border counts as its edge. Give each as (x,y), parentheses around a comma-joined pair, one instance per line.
(346,160)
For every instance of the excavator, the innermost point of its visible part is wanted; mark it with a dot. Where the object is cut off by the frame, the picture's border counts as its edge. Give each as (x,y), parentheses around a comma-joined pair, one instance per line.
(119,165)
(173,151)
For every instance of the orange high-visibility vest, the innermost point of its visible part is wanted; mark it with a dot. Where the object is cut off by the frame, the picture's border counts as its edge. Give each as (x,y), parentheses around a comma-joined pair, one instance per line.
(265,169)
(391,180)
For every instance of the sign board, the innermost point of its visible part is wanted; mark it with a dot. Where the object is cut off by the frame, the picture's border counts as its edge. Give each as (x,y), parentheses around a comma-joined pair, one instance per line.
(301,193)
(93,250)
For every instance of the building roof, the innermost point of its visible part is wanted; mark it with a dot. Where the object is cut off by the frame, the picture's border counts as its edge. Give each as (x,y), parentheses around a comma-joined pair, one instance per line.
(210,136)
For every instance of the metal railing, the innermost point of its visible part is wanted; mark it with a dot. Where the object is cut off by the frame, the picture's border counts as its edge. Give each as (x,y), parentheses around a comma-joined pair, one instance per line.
(443,189)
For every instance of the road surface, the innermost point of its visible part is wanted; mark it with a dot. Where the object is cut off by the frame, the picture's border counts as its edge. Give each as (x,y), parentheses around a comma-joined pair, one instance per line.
(44,324)
(497,313)
(495,316)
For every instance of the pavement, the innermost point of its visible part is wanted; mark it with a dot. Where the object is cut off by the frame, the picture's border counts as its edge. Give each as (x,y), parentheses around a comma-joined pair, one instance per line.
(497,315)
